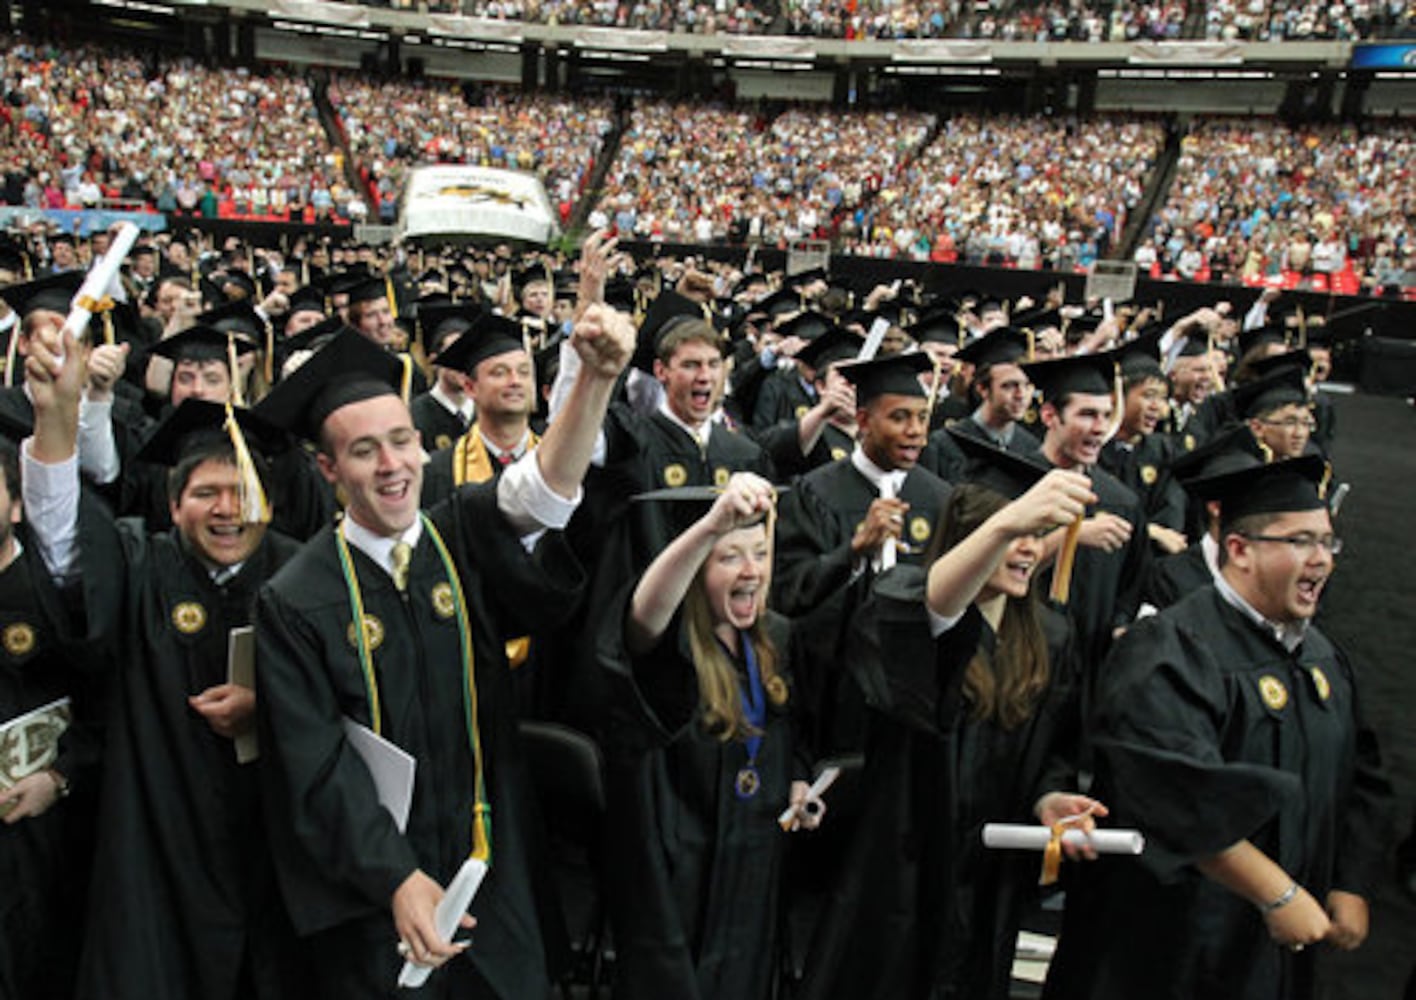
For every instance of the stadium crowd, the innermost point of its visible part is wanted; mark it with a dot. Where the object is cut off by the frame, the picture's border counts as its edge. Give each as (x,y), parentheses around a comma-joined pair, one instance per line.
(1255,200)
(1015,192)
(394,125)
(82,127)
(710,174)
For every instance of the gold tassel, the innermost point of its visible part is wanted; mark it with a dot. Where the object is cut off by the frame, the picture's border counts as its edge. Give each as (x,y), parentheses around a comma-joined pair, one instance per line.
(255,509)
(392,299)
(405,384)
(233,359)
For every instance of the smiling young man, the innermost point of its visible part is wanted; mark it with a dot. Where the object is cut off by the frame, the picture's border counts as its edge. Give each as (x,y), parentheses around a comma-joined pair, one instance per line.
(396,618)
(181,858)
(845,522)
(1229,731)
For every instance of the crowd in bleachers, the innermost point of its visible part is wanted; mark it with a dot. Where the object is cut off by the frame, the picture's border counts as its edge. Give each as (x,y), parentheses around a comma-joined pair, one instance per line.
(394,125)
(709,174)
(1255,200)
(1018,20)
(1015,192)
(81,128)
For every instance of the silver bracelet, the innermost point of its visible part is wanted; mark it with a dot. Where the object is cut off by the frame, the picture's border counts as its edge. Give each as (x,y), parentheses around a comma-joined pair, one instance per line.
(1286,897)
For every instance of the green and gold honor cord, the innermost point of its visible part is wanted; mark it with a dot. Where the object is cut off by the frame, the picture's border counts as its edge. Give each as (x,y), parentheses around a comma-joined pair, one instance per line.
(482,810)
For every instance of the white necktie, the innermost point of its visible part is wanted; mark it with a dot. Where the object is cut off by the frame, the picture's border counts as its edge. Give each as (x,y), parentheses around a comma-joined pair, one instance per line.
(887,548)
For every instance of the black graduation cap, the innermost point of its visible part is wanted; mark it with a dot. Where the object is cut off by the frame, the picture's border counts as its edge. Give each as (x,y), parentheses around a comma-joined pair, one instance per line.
(13,257)
(1192,344)
(142,250)
(566,285)
(61,237)
(368,289)
(310,337)
(1004,345)
(1004,472)
(1140,356)
(1299,359)
(803,278)
(836,344)
(747,281)
(349,369)
(1264,395)
(686,504)
(53,293)
(1043,318)
(201,343)
(237,317)
(1290,486)
(935,325)
(897,374)
(1089,374)
(895,312)
(808,325)
(198,421)
(487,337)
(438,320)
(1227,451)
(619,293)
(241,281)
(1271,333)
(306,298)
(783,302)
(668,310)
(530,275)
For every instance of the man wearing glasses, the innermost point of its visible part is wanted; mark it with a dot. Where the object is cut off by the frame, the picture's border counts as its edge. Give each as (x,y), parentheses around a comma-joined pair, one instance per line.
(1228,731)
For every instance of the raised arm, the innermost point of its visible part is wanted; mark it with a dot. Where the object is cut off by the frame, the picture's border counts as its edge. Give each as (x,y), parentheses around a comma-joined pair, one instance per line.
(55,372)
(665,583)
(956,577)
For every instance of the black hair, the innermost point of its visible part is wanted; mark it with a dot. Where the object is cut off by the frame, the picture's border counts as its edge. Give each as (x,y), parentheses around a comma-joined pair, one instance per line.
(205,446)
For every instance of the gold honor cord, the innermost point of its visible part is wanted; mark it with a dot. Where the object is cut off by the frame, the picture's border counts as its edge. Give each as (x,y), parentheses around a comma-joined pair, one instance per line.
(482,810)
(1061,590)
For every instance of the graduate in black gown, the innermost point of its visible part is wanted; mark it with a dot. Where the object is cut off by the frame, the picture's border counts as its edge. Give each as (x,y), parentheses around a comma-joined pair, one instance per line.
(975,719)
(1113,557)
(846,522)
(444,412)
(701,757)
(48,773)
(397,620)
(1229,730)
(183,902)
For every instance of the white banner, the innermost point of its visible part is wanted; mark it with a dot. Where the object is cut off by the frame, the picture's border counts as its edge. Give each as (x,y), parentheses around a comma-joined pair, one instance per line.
(346,15)
(766,47)
(458,201)
(1187,53)
(921,51)
(619,39)
(482,28)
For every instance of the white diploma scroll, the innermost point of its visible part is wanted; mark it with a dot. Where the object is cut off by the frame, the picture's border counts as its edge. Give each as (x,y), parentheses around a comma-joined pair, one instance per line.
(448,916)
(1024,837)
(824,780)
(100,278)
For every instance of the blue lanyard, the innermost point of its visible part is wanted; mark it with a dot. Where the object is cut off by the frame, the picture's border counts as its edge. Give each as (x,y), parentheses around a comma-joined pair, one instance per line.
(754,701)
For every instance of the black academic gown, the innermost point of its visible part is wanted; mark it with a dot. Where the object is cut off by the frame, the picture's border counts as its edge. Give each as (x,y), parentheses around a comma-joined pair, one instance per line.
(923,910)
(184,902)
(1145,468)
(814,579)
(692,870)
(439,426)
(339,856)
(1106,586)
(44,859)
(1176,576)
(782,397)
(1207,732)
(943,457)
(619,539)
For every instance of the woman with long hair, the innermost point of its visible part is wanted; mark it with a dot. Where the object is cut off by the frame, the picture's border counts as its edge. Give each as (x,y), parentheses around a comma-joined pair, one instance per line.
(976,719)
(701,758)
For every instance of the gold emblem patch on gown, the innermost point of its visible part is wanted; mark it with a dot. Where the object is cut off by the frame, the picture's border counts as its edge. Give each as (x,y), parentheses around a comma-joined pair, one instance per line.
(1149,475)
(919,529)
(1320,682)
(721,477)
(18,638)
(675,475)
(442,600)
(1273,692)
(189,617)
(373,633)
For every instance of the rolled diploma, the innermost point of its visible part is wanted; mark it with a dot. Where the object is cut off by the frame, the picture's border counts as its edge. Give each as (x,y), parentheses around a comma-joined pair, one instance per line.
(823,781)
(96,282)
(1025,837)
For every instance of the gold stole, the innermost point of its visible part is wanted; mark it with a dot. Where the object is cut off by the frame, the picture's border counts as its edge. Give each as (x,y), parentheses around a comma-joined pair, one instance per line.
(472,463)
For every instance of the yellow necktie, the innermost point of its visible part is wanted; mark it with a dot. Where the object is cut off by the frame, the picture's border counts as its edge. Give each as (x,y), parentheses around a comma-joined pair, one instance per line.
(402,555)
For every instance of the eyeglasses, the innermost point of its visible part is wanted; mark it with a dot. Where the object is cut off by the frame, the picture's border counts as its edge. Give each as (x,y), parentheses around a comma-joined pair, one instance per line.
(1292,423)
(1302,544)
